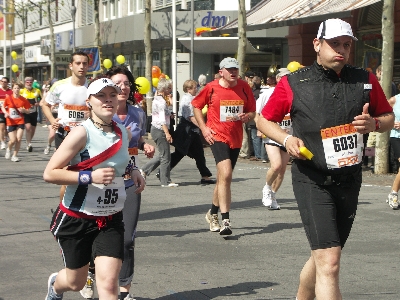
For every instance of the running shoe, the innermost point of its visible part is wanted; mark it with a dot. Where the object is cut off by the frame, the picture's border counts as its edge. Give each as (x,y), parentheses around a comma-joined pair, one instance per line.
(158,174)
(213,221)
(267,196)
(171,184)
(129,297)
(51,295)
(274,205)
(225,227)
(14,158)
(29,148)
(46,150)
(8,154)
(3,146)
(392,199)
(88,290)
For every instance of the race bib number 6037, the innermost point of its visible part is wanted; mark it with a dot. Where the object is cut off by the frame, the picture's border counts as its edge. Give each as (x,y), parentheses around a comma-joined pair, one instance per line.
(343,146)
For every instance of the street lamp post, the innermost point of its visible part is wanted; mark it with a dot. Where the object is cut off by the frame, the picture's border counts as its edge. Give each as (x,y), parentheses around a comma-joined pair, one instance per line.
(73,13)
(10,36)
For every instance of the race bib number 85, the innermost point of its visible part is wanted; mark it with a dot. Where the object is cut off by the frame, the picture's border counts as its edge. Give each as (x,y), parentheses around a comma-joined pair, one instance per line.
(343,146)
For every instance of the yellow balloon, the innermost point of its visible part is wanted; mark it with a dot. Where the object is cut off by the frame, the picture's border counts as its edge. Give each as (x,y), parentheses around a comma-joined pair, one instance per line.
(166,77)
(120,59)
(154,81)
(107,63)
(293,66)
(143,85)
(14,55)
(14,68)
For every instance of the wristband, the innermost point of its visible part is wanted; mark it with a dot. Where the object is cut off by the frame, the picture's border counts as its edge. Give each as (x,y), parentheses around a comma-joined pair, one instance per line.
(85,177)
(377,124)
(142,146)
(285,140)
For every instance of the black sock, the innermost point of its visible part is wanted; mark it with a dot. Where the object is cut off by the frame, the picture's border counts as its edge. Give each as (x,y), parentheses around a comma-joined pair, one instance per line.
(225,215)
(123,295)
(214,209)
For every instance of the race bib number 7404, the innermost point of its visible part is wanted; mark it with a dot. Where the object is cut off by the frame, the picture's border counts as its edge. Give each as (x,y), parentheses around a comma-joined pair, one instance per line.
(343,146)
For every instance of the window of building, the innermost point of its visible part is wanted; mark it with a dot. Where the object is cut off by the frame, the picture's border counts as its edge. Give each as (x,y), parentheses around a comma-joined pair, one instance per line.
(105,10)
(139,6)
(87,12)
(113,9)
(131,7)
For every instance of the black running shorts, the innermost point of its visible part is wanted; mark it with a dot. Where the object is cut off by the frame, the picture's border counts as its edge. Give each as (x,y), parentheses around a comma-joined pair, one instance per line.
(31,118)
(327,211)
(395,143)
(80,238)
(222,152)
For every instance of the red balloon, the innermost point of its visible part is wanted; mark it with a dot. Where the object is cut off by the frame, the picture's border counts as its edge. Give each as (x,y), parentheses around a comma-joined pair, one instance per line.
(155,72)
(162,75)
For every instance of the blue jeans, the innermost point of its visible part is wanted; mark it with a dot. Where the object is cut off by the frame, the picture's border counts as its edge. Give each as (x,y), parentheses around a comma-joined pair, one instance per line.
(258,145)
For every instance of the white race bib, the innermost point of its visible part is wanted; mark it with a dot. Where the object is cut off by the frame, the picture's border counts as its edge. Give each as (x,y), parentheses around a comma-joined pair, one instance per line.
(14,114)
(343,146)
(230,109)
(104,200)
(73,115)
(286,123)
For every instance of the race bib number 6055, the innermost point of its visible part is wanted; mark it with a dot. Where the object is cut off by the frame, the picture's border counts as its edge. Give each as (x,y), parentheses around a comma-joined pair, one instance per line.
(343,146)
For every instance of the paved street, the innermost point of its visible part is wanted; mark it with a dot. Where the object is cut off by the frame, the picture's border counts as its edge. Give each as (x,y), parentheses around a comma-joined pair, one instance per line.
(178,258)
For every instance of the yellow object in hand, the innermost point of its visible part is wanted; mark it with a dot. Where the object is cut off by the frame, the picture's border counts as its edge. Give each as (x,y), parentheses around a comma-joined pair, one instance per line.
(306,153)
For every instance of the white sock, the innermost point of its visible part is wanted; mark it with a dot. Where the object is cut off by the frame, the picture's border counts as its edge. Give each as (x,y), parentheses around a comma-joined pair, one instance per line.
(394,192)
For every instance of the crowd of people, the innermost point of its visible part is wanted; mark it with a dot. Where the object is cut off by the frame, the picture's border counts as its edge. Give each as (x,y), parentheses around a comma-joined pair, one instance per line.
(98,129)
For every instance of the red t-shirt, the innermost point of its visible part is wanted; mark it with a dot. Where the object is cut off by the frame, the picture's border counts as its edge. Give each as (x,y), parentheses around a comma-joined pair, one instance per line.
(280,102)
(11,106)
(3,94)
(223,105)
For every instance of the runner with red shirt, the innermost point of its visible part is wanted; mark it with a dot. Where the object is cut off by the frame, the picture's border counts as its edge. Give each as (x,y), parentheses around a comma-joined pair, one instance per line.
(230,103)
(4,90)
(14,107)
(331,105)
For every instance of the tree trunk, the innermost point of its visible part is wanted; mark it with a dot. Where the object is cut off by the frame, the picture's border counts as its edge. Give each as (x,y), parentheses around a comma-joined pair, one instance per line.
(382,139)
(149,53)
(241,54)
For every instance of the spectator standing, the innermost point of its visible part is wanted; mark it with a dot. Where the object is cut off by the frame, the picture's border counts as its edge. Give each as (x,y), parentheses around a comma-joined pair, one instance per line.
(160,126)
(202,82)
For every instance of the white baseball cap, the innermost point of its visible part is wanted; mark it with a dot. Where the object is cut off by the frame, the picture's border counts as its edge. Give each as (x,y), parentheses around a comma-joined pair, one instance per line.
(332,28)
(229,62)
(99,84)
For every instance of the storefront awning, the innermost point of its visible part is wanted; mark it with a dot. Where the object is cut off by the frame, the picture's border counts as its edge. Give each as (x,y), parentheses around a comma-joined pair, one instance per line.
(211,45)
(271,14)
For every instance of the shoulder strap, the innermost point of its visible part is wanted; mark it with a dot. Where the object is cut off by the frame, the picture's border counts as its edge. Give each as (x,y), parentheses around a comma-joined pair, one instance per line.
(106,154)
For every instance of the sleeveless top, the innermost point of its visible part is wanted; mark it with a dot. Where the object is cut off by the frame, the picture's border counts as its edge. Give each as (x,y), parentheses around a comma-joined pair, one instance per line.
(93,199)
(395,133)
